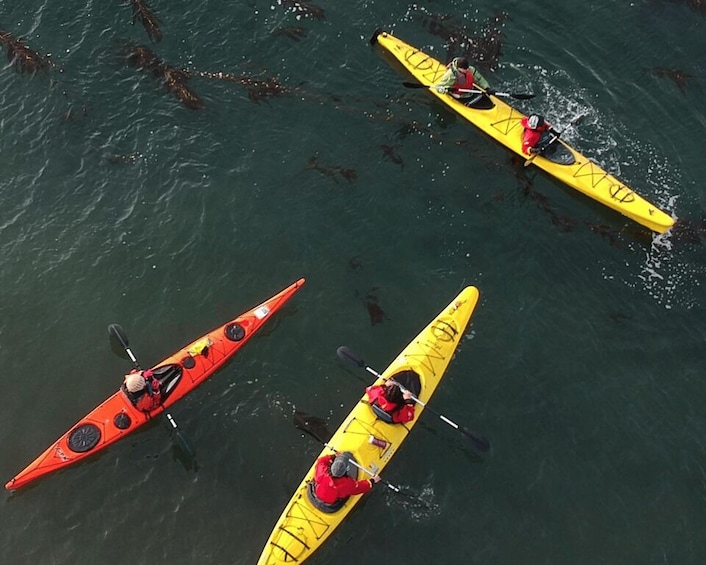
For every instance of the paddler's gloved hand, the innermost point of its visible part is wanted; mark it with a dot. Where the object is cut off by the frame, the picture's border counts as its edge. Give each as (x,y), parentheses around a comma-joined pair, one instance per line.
(489,91)
(442,89)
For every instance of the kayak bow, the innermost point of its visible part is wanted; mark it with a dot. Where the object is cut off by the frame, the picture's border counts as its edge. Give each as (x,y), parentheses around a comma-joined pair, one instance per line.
(304,526)
(502,122)
(179,374)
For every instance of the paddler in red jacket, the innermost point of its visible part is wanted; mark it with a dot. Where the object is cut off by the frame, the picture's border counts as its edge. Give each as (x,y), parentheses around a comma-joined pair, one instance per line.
(536,135)
(136,382)
(332,480)
(388,396)
(459,74)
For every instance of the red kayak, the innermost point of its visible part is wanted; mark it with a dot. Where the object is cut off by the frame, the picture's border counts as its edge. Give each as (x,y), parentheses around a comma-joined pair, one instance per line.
(178,375)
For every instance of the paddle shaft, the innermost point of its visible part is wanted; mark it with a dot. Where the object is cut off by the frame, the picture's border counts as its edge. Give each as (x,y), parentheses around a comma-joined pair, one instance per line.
(489,92)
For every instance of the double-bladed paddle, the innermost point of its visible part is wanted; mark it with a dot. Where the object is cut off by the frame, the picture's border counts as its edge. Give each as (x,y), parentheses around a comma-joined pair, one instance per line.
(489,91)
(479,442)
(116,331)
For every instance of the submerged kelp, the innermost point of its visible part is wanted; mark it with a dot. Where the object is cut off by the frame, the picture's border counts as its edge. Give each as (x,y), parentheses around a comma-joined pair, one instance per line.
(303,9)
(332,171)
(483,49)
(680,78)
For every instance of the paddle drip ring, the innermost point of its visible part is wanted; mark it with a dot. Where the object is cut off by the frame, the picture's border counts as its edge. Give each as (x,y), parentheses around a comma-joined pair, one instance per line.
(234,331)
(84,438)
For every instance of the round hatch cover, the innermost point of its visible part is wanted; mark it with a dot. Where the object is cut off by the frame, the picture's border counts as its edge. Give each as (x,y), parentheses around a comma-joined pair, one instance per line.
(84,438)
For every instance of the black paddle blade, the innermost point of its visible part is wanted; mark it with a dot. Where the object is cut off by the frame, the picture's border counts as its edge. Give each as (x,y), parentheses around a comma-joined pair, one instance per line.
(414,85)
(179,438)
(479,442)
(312,425)
(347,355)
(521,96)
(116,331)
(118,340)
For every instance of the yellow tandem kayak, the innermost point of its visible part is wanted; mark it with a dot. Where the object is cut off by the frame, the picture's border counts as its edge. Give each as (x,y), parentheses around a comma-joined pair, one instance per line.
(303,526)
(502,122)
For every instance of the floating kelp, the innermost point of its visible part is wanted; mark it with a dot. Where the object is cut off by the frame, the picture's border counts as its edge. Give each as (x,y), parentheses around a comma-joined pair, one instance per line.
(144,58)
(141,11)
(23,59)
(257,89)
(678,77)
(173,79)
(481,50)
(303,9)
(332,172)
(293,32)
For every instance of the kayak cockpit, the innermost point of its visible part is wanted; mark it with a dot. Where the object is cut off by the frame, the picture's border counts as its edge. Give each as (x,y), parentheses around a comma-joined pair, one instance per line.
(334,506)
(558,153)
(479,101)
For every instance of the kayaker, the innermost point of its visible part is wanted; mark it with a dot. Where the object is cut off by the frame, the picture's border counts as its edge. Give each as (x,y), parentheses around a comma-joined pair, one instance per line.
(398,405)
(459,74)
(537,134)
(332,482)
(143,390)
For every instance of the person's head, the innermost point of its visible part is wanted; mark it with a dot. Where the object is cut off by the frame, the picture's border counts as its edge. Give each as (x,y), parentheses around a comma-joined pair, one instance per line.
(339,467)
(459,63)
(393,392)
(535,121)
(134,382)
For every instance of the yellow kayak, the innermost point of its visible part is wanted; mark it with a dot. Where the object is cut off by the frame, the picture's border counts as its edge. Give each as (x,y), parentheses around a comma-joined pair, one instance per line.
(502,122)
(303,526)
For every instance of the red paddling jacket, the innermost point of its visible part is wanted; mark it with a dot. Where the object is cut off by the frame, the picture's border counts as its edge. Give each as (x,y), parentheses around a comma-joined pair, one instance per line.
(153,396)
(400,413)
(330,489)
(531,137)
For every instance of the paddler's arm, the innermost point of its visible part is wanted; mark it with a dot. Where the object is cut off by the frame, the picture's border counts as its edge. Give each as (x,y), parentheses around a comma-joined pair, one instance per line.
(445,82)
(479,79)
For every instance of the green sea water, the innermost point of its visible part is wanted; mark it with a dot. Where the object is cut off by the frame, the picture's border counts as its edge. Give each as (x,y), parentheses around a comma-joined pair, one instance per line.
(583,363)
